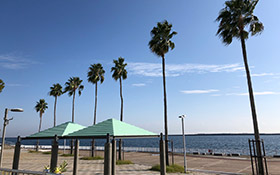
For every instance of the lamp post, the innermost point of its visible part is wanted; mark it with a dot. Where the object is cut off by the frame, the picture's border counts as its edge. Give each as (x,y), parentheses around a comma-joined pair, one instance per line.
(6,122)
(184,143)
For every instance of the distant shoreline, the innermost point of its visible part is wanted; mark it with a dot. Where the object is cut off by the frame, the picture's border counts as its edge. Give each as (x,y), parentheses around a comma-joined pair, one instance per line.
(212,134)
(224,134)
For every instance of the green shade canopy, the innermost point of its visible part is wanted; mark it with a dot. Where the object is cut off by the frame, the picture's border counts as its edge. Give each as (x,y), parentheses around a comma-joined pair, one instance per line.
(60,130)
(114,127)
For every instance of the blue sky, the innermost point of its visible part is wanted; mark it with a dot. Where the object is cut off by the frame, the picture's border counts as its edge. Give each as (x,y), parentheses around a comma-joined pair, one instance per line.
(46,42)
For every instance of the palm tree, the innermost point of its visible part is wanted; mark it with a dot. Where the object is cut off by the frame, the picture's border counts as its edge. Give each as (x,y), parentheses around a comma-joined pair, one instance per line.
(41,107)
(119,73)
(2,85)
(160,45)
(56,91)
(236,20)
(73,84)
(95,74)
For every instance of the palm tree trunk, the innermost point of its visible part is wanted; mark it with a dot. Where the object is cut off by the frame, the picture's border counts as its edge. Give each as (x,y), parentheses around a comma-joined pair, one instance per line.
(73,106)
(54,115)
(121,118)
(253,109)
(94,122)
(40,124)
(165,110)
(95,106)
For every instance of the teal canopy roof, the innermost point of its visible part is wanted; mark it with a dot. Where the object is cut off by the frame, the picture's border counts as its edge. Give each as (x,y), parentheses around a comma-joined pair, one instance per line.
(114,128)
(60,130)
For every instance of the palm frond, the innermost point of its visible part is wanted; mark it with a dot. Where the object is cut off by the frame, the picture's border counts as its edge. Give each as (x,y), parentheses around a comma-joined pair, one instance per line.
(119,69)
(160,41)
(2,85)
(235,18)
(41,106)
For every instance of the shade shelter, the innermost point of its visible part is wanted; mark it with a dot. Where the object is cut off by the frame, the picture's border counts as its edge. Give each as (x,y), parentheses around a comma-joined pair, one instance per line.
(60,130)
(110,129)
(114,128)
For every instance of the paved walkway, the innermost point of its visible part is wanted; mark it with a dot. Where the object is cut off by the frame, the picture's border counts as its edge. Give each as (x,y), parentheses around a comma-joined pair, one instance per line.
(143,162)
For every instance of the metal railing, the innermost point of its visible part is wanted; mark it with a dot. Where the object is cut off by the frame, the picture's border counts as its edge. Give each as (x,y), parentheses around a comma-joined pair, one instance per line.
(147,149)
(6,171)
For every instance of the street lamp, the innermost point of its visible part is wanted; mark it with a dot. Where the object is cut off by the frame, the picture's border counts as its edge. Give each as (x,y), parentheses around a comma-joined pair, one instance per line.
(6,122)
(184,143)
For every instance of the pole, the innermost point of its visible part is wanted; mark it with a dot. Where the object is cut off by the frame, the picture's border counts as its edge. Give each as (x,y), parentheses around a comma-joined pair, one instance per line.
(3,136)
(76,157)
(162,157)
(184,143)
(16,155)
(54,154)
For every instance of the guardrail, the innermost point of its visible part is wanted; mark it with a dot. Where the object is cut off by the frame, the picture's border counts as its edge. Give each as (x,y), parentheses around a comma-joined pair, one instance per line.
(5,171)
(147,149)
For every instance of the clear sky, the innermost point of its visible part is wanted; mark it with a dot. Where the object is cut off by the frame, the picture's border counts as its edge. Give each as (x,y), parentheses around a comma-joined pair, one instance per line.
(45,42)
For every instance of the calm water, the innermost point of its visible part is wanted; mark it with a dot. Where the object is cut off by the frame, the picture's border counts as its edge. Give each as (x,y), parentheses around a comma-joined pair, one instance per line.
(217,143)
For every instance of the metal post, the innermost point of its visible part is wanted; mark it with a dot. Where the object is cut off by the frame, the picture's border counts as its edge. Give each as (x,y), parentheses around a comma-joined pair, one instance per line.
(3,136)
(255,157)
(172,148)
(76,157)
(54,154)
(264,158)
(252,163)
(114,156)
(16,154)
(123,151)
(162,156)
(108,157)
(93,148)
(184,143)
(64,147)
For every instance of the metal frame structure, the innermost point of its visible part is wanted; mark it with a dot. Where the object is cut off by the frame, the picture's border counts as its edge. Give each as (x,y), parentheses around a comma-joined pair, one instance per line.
(254,157)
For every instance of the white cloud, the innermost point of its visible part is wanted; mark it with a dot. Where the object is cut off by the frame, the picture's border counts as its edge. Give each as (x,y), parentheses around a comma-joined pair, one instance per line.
(255,93)
(174,70)
(199,91)
(262,74)
(139,84)
(11,61)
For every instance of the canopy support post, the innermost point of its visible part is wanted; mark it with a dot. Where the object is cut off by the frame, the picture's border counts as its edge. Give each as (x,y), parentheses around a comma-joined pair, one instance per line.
(108,157)
(54,154)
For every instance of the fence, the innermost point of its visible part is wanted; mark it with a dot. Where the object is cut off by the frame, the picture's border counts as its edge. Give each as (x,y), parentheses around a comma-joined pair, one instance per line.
(5,171)
(147,149)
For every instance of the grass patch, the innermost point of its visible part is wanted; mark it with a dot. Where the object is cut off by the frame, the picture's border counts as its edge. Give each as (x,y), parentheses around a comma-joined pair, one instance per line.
(67,155)
(92,158)
(47,152)
(170,169)
(33,151)
(123,162)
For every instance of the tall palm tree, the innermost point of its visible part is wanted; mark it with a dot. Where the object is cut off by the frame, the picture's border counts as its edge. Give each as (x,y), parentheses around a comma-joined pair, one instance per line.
(95,74)
(236,20)
(73,84)
(119,73)
(160,45)
(56,91)
(2,85)
(41,107)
